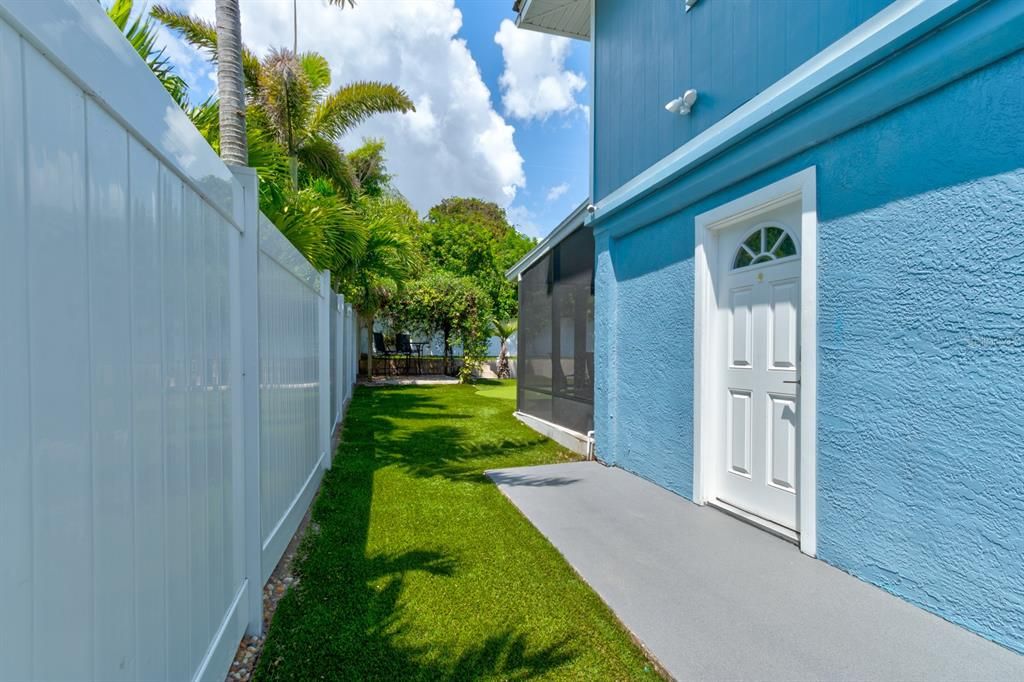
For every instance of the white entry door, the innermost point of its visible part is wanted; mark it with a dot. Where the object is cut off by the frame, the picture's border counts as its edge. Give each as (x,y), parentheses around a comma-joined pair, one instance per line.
(758,304)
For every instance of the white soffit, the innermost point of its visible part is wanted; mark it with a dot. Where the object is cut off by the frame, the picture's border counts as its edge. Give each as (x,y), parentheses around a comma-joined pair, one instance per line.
(569,18)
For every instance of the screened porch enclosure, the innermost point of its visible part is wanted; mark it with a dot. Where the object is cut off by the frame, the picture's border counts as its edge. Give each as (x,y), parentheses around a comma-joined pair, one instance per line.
(556,335)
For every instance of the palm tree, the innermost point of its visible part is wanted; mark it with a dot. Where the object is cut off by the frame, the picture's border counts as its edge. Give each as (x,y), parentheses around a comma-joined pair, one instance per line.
(307,119)
(294,104)
(234,148)
(504,331)
(323,226)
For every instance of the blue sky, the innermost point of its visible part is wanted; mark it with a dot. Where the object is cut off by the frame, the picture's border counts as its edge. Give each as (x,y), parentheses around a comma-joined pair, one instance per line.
(501,113)
(555,150)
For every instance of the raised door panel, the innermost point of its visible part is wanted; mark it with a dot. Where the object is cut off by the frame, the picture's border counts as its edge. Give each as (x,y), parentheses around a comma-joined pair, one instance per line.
(740,327)
(783,303)
(781,441)
(739,415)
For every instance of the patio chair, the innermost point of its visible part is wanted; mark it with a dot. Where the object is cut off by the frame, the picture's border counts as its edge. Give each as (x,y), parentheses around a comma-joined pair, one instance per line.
(380,348)
(403,346)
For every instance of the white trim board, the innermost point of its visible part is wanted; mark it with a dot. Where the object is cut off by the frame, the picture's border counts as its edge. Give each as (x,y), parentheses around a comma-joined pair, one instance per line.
(802,186)
(567,438)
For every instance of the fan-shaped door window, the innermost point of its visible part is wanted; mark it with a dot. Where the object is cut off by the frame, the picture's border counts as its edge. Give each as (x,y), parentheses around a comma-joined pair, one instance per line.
(764,245)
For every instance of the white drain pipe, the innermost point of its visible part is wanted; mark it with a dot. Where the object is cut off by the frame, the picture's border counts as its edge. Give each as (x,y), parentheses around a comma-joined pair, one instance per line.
(591,453)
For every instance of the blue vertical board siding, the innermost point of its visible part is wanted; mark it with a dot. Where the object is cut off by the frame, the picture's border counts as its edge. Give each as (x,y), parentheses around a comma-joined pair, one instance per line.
(921,349)
(729,51)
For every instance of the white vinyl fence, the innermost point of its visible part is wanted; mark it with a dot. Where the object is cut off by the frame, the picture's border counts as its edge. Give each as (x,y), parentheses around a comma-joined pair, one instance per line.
(167,394)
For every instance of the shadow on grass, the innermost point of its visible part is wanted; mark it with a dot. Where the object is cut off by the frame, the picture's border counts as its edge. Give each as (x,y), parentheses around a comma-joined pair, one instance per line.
(345,619)
(441,450)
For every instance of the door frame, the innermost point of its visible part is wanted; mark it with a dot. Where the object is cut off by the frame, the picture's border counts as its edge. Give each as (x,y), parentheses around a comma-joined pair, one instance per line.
(800,186)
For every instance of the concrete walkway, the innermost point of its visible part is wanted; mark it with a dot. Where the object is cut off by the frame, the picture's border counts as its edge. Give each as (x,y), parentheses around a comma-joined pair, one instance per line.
(713,598)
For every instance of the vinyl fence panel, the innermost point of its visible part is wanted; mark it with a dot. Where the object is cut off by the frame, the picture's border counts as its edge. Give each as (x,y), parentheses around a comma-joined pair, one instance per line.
(291,459)
(118,487)
(138,517)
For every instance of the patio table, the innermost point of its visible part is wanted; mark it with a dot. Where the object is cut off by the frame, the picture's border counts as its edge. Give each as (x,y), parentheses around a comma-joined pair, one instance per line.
(418,348)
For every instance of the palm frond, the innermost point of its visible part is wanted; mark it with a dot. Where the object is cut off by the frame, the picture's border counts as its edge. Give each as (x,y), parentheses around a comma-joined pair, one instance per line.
(352,104)
(504,329)
(202,35)
(317,70)
(286,97)
(322,158)
(142,34)
(206,118)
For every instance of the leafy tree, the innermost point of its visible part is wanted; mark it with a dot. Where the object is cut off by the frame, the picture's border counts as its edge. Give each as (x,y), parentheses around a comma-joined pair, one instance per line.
(455,306)
(386,260)
(473,238)
(368,164)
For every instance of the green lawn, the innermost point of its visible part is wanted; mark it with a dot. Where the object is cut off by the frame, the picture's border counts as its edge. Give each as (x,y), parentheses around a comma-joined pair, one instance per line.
(506,390)
(418,568)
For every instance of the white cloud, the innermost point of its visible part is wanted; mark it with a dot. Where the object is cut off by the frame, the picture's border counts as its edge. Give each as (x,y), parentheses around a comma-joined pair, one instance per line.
(557,191)
(525,221)
(535,82)
(189,64)
(455,143)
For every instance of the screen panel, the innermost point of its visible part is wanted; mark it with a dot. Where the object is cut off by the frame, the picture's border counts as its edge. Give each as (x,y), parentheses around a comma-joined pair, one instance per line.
(556,335)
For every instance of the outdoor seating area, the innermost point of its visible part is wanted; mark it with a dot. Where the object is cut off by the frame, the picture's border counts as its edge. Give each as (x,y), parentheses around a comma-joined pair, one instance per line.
(407,352)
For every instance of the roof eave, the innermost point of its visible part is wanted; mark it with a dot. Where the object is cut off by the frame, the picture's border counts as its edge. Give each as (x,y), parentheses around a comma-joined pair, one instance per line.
(526,19)
(570,224)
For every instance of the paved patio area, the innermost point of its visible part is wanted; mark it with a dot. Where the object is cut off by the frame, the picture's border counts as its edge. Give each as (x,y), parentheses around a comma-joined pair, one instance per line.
(409,380)
(714,598)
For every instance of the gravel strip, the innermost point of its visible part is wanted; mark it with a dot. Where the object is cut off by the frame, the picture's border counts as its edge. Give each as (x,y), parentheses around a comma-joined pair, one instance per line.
(281,580)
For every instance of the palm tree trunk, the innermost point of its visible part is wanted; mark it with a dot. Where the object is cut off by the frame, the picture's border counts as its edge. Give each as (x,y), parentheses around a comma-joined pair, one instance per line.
(293,171)
(503,369)
(230,85)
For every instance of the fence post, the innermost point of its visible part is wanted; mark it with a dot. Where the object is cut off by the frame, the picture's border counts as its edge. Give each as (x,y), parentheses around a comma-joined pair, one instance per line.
(353,343)
(325,367)
(249,416)
(342,360)
(356,347)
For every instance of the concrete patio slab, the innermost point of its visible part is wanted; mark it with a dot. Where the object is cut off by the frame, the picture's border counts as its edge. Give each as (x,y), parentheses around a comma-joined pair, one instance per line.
(714,598)
(409,380)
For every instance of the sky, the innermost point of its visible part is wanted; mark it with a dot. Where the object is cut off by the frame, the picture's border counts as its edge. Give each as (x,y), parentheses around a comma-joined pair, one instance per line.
(501,113)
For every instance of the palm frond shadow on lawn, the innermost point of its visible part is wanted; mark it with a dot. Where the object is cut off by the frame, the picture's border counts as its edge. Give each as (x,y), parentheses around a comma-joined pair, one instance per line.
(414,571)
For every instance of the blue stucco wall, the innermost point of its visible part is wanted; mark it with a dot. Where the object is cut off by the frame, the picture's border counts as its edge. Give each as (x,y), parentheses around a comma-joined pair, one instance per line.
(921,349)
(728,51)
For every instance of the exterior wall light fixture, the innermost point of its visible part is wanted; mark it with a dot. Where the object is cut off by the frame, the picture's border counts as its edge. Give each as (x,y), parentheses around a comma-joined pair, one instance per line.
(682,105)
(689,4)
